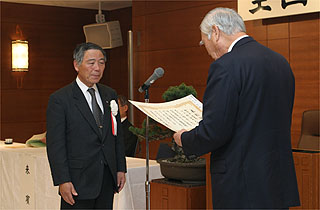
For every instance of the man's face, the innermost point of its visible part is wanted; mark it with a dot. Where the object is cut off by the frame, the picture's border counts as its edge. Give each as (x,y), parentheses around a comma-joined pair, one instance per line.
(91,69)
(210,45)
(123,110)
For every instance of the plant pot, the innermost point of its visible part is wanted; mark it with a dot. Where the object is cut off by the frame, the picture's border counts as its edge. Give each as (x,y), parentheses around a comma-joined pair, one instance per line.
(194,172)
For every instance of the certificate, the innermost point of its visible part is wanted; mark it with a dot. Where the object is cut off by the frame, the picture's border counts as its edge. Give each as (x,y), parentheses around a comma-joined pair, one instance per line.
(183,113)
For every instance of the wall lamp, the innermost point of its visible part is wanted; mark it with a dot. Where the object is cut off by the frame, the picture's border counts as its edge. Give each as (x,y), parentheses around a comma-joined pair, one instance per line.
(20,59)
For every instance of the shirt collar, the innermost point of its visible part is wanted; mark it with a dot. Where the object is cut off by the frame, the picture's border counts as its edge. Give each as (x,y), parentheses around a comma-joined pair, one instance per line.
(123,119)
(235,41)
(83,87)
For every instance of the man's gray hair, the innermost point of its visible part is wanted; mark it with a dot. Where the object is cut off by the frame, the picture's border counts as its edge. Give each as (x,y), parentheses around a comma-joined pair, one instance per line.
(80,49)
(227,20)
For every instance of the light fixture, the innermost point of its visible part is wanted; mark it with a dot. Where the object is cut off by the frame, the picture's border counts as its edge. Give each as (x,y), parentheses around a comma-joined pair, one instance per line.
(20,59)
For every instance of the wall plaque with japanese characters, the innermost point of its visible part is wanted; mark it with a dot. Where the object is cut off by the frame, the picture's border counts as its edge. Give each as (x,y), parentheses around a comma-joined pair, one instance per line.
(260,9)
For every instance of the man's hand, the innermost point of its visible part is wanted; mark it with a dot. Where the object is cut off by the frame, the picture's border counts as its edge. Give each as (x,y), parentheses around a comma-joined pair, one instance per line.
(177,137)
(44,140)
(67,192)
(121,180)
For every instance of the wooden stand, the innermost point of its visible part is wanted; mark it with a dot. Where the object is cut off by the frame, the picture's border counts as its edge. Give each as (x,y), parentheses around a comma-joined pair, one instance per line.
(177,195)
(307,169)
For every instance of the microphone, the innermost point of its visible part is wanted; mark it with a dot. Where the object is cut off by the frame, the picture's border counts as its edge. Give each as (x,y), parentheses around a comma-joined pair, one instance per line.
(158,72)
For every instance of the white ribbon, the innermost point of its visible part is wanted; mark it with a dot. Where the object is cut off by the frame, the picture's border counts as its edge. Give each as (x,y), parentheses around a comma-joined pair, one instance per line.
(114,110)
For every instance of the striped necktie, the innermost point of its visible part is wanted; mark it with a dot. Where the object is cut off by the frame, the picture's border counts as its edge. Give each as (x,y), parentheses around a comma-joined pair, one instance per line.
(97,113)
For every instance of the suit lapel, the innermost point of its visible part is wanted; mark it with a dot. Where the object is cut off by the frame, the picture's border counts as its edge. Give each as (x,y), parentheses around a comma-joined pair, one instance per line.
(82,105)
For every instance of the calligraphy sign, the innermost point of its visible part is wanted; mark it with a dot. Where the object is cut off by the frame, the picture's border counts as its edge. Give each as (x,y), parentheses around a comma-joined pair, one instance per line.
(259,9)
(25,179)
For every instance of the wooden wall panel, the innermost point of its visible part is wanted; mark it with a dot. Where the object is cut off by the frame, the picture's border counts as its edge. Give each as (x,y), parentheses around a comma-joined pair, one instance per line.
(280,46)
(182,30)
(35,14)
(44,60)
(156,7)
(138,9)
(176,64)
(22,130)
(304,60)
(24,106)
(257,30)
(305,25)
(138,69)
(277,28)
(116,73)
(52,33)
(139,35)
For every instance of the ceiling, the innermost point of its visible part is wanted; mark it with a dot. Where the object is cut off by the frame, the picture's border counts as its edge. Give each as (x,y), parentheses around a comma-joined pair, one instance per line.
(88,4)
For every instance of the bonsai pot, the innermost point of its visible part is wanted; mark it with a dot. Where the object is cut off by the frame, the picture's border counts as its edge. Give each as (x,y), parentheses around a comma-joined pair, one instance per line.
(193,172)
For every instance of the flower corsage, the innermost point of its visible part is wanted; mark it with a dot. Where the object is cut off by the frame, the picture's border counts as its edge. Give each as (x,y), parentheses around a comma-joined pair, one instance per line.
(114,111)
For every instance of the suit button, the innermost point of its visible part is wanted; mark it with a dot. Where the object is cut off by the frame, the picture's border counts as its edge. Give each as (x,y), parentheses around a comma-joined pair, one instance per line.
(102,145)
(101,162)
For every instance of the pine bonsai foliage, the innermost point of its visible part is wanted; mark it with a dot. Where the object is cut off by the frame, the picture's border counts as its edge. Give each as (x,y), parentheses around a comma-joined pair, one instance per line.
(176,92)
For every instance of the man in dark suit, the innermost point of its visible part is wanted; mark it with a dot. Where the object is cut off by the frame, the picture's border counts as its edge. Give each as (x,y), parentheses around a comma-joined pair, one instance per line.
(246,122)
(84,136)
(130,140)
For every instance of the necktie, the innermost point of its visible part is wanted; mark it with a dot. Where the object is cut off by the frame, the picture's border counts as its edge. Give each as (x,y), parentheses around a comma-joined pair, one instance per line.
(95,108)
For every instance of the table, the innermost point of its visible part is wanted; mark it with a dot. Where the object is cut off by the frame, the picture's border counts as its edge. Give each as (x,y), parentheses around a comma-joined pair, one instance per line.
(26,183)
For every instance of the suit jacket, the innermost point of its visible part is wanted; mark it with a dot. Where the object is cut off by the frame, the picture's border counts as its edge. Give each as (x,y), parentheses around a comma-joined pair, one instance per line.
(130,140)
(247,108)
(76,149)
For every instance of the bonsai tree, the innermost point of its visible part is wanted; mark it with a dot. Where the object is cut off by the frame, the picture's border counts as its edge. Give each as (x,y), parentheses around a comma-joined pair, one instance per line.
(158,132)
(176,92)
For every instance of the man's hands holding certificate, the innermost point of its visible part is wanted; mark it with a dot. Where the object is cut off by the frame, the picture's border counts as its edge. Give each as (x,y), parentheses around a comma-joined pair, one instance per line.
(177,137)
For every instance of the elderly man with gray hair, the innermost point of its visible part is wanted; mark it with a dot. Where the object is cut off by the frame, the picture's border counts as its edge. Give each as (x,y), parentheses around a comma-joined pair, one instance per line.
(246,125)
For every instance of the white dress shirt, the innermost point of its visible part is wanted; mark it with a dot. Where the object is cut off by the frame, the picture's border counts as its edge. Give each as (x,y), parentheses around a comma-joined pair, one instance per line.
(87,95)
(235,41)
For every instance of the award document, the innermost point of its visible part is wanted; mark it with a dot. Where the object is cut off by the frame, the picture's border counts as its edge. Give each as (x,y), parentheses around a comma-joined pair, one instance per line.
(183,113)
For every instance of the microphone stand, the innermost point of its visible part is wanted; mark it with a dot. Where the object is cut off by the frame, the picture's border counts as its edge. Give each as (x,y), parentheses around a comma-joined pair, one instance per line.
(147,183)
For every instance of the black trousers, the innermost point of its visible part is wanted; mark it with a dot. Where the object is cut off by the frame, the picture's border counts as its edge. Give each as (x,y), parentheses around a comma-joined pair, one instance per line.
(103,201)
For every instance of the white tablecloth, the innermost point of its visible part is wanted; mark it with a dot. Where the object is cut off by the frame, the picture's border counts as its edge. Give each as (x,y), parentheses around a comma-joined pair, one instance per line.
(25,180)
